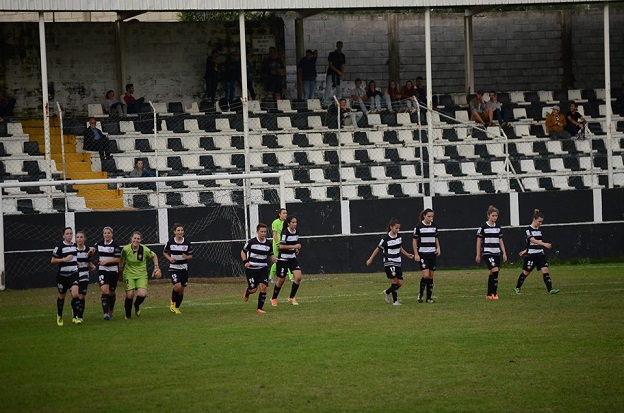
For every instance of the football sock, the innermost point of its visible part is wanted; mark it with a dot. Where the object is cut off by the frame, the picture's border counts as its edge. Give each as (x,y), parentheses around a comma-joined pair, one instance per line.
(276,292)
(261,300)
(105,307)
(59,306)
(111,302)
(138,302)
(521,279)
(82,307)
(174,296)
(247,293)
(179,300)
(75,303)
(392,289)
(128,307)
(495,282)
(293,290)
(394,292)
(548,281)
(423,283)
(429,288)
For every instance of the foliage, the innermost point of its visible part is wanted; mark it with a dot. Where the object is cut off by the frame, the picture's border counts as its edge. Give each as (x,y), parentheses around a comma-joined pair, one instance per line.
(222,16)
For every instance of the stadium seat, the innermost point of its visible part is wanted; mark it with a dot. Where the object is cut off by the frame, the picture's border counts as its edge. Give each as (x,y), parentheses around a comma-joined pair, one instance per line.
(32,148)
(223,125)
(143,145)
(95,110)
(303,194)
(301,140)
(301,158)
(284,106)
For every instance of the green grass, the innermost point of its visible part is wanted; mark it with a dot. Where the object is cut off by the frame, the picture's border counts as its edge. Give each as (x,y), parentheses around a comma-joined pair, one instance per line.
(342,349)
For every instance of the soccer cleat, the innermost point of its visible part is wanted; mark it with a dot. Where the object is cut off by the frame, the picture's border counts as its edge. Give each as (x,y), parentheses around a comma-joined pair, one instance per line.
(137,311)
(489,297)
(77,320)
(430,301)
(172,307)
(260,311)
(387,298)
(245,297)
(176,311)
(59,320)
(107,316)
(396,303)
(293,301)
(553,291)
(274,302)
(517,290)
(110,314)
(494,296)
(420,299)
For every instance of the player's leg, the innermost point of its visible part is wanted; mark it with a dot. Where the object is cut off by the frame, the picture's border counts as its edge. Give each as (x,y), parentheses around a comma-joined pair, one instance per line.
(264,283)
(82,294)
(174,291)
(296,271)
(274,265)
(423,279)
(282,268)
(430,286)
(103,282)
(546,276)
(129,287)
(75,303)
(60,299)
(527,267)
(398,282)
(141,286)
(178,290)
(112,295)
(251,283)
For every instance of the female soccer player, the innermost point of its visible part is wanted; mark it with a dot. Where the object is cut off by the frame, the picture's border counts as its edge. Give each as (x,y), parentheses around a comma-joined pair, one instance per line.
(392,248)
(490,245)
(178,251)
(83,255)
(108,252)
(276,228)
(426,250)
(64,254)
(287,260)
(534,256)
(255,255)
(134,267)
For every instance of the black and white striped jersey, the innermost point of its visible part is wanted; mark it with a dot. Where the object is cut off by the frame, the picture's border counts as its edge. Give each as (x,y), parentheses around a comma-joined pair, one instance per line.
(490,238)
(288,238)
(176,250)
(391,248)
(425,236)
(63,250)
(533,249)
(258,252)
(106,252)
(83,263)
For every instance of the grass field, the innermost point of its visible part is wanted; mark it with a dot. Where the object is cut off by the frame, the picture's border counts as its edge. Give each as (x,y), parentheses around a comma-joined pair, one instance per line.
(341,349)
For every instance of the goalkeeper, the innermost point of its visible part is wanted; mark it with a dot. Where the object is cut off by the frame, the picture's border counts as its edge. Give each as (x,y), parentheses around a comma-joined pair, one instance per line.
(133,266)
(276,228)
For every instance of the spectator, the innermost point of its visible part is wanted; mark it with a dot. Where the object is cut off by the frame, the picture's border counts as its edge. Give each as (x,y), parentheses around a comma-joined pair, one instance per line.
(556,123)
(374,97)
(359,96)
(113,105)
(274,74)
(250,73)
(409,95)
(496,107)
(7,105)
(335,73)
(392,96)
(133,105)
(140,171)
(95,140)
(348,117)
(480,112)
(307,73)
(421,91)
(575,122)
(231,75)
(214,68)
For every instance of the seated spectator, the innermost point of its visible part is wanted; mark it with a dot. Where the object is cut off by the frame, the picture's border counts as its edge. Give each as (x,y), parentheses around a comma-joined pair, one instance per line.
(349,117)
(7,106)
(374,97)
(408,95)
(575,122)
(480,112)
(392,96)
(421,91)
(359,97)
(556,123)
(113,105)
(140,171)
(496,107)
(95,140)
(133,105)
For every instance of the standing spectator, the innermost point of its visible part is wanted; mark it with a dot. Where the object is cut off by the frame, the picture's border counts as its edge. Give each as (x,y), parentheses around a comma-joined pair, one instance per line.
(95,140)
(133,105)
(421,91)
(374,97)
(307,73)
(556,123)
(496,107)
(576,122)
(480,112)
(408,95)
(113,105)
(214,68)
(274,70)
(250,73)
(392,96)
(335,73)
(7,105)
(348,117)
(231,75)
(359,96)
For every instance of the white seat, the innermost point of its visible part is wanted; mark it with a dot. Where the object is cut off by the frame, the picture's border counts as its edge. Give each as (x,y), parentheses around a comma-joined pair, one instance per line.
(531,184)
(283,105)
(316,175)
(496,149)
(522,129)
(557,164)
(95,110)
(255,125)
(439,153)
(223,125)
(409,171)
(376,154)
(315,105)
(555,147)
(192,108)
(191,125)
(378,172)
(410,189)
(375,137)
(467,151)
(518,97)
(315,139)
(583,146)
(546,111)
(498,167)
(348,175)
(440,171)
(441,187)
(575,95)
(501,185)
(472,186)
(468,168)
(528,166)
(190,198)
(379,190)
(520,114)
(462,115)
(525,148)
(283,122)
(318,193)
(374,119)
(315,122)
(585,163)
(161,109)
(545,96)
(254,106)
(127,127)
(404,118)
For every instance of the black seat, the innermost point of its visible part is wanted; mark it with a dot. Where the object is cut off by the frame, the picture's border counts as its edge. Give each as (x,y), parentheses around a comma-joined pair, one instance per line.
(331,157)
(392,154)
(531,96)
(109,165)
(453,168)
(361,138)
(270,195)
(537,130)
(569,146)
(111,127)
(480,135)
(175,107)
(482,151)
(330,139)
(175,163)
(207,143)
(301,140)
(364,173)
(58,204)
(302,175)
(362,156)
(393,171)
(547,184)
(144,125)
(207,162)
(206,198)
(238,160)
(543,164)
(303,194)
(598,145)
(31,148)
(3,151)
(237,142)
(486,186)
(331,174)
(451,152)
(270,141)
(270,159)
(450,134)
(333,193)
(391,136)
(25,206)
(301,158)
(175,144)
(32,169)
(600,162)
(173,199)
(140,201)
(572,163)
(484,167)
(457,187)
(540,147)
(396,190)
(4,132)
(142,145)
(577,182)
(365,192)
(113,147)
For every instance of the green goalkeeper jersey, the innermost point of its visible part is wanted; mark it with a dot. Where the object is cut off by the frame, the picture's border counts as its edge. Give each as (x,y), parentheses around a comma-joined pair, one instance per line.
(133,267)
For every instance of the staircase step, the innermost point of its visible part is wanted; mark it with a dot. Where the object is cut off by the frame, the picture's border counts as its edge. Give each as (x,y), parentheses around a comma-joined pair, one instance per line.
(58,148)
(107,203)
(94,190)
(86,175)
(76,167)
(72,157)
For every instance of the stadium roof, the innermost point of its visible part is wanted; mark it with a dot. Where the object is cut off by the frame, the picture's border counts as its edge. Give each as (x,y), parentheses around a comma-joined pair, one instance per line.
(182,5)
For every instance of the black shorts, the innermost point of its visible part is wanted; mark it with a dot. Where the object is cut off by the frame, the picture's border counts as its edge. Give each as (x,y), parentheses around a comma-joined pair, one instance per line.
(427,262)
(392,271)
(256,276)
(82,287)
(65,282)
(179,276)
(110,278)
(492,261)
(283,266)
(275,83)
(531,262)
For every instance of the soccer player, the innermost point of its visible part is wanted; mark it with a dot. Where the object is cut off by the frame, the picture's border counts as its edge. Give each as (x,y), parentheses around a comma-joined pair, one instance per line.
(276,228)
(134,258)
(426,250)
(287,260)
(83,255)
(534,255)
(392,248)
(178,251)
(64,254)
(108,252)
(490,245)
(255,255)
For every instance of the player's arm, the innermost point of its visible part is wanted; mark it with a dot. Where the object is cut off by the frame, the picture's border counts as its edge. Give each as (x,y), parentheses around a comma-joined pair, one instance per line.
(244,258)
(156,273)
(438,250)
(478,256)
(167,255)
(407,254)
(415,247)
(284,247)
(372,257)
(547,245)
(502,247)
(56,260)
